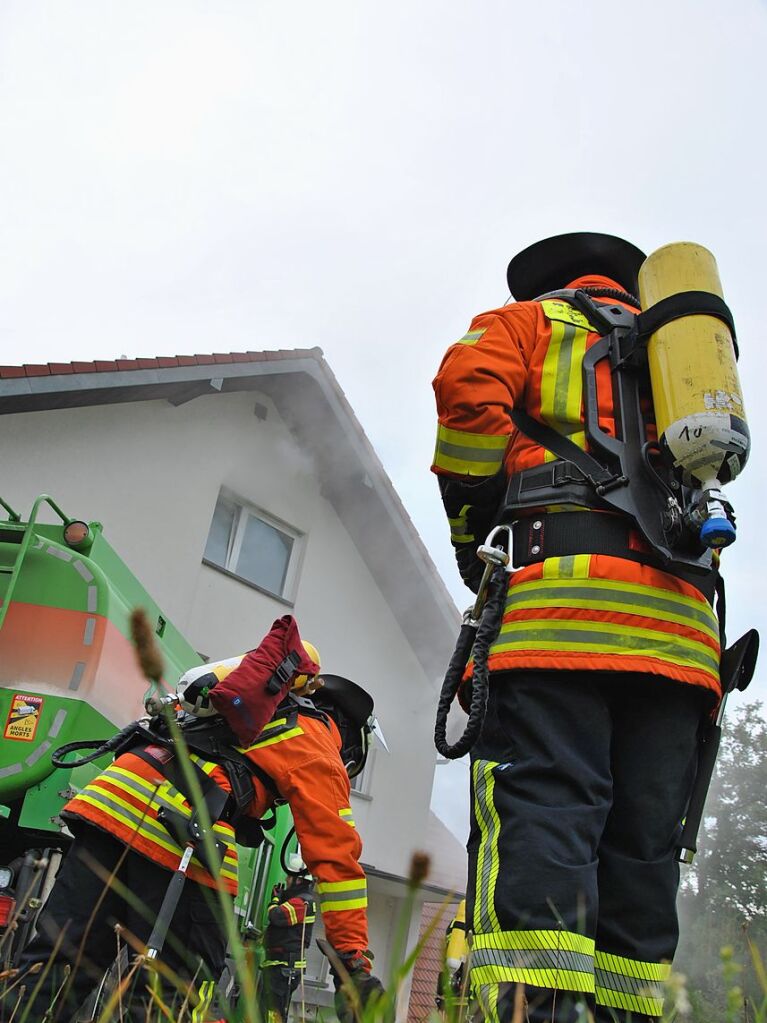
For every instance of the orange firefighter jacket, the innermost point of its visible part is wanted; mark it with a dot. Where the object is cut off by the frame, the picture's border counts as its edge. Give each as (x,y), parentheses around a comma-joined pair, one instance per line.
(302,759)
(582,611)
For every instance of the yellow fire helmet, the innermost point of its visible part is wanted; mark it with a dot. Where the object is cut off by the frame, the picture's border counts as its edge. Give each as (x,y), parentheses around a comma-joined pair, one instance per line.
(308,684)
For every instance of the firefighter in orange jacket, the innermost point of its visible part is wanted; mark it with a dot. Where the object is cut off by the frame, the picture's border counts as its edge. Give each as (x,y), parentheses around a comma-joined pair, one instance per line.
(123,821)
(601,673)
(288,935)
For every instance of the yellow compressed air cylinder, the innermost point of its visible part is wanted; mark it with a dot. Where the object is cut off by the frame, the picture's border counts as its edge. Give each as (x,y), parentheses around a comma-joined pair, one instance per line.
(457,946)
(696,392)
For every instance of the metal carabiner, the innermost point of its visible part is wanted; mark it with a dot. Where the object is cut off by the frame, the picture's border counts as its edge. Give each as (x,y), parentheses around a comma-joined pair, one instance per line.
(493,554)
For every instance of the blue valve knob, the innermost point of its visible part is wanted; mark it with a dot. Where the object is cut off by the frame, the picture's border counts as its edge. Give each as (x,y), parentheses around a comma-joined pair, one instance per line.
(717,532)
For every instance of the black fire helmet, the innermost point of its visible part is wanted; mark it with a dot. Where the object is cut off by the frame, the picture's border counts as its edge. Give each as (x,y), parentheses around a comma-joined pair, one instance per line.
(552,263)
(352,710)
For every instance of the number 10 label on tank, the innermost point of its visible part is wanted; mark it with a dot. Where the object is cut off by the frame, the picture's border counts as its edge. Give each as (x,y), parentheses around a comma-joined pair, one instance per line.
(23,717)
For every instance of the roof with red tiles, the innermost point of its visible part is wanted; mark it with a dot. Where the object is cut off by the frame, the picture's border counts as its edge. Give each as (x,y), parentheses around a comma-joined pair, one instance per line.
(428,966)
(159,362)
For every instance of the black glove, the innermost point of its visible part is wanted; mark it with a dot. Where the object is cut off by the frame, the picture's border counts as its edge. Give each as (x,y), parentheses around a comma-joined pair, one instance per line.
(479,502)
(358,966)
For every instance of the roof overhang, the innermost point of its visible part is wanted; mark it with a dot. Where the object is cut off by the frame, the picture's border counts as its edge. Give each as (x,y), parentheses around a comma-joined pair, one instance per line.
(396,886)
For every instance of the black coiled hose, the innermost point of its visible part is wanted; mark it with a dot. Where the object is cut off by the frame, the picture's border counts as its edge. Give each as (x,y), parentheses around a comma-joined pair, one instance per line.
(284,850)
(479,637)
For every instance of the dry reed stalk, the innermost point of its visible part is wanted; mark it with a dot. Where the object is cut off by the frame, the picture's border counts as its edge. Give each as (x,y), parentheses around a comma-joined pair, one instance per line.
(520,1004)
(147,652)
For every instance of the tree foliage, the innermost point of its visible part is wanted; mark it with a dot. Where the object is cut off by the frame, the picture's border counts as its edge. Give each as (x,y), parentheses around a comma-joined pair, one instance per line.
(723,896)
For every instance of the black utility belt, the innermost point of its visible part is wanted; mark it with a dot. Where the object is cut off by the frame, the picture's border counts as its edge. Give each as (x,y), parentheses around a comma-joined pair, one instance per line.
(564,534)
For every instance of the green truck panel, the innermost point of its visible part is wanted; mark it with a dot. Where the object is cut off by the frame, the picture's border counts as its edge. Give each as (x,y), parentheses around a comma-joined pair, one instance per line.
(68,673)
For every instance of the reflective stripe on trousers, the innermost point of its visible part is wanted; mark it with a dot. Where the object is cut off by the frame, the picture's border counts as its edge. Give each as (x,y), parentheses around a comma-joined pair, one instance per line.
(630,984)
(579,781)
(205,993)
(548,959)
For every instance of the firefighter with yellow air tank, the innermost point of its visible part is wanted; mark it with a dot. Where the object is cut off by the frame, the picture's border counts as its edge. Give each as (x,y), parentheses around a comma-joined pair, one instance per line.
(590,424)
(309,735)
(452,976)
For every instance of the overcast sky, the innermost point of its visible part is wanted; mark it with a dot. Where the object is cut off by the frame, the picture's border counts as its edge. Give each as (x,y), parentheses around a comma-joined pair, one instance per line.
(181,177)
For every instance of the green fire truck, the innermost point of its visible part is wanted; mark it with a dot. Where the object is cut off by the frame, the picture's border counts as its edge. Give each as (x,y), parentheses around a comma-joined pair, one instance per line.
(68,673)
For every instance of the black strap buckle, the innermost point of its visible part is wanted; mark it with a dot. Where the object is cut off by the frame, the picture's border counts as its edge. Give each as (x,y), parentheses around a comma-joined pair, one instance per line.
(185,830)
(616,481)
(564,472)
(283,673)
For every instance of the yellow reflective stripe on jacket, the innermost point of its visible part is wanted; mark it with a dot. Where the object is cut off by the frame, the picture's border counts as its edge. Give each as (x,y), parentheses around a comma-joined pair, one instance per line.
(586,625)
(163,794)
(562,381)
(117,808)
(205,765)
(347,815)
(604,638)
(340,896)
(124,813)
(291,912)
(472,337)
(561,960)
(488,861)
(570,566)
(148,827)
(270,740)
(144,822)
(459,529)
(622,983)
(557,309)
(469,454)
(613,595)
(274,723)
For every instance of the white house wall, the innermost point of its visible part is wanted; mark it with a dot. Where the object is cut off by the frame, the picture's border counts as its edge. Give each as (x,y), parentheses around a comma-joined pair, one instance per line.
(151,473)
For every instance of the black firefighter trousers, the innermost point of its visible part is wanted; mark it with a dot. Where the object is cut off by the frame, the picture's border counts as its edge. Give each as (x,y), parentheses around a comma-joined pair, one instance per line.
(76,929)
(580,781)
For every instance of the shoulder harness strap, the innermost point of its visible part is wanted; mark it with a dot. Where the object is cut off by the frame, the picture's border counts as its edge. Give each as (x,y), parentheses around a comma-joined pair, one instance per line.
(613,475)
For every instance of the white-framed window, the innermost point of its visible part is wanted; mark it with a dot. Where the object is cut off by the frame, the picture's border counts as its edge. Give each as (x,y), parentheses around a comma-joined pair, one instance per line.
(362,783)
(317,967)
(255,547)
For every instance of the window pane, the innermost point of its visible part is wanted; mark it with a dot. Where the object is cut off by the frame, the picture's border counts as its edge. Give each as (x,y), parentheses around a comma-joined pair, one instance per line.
(362,782)
(264,555)
(220,531)
(316,963)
